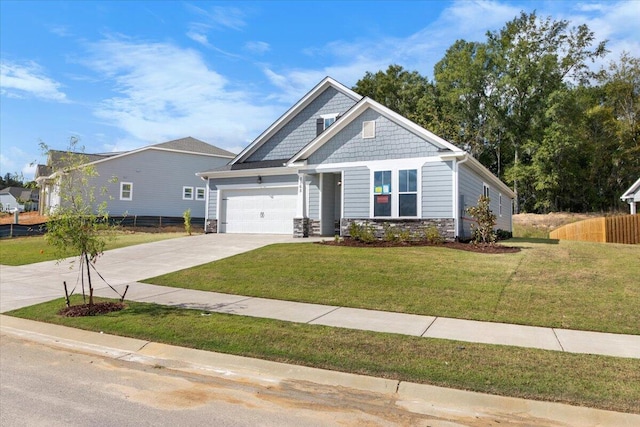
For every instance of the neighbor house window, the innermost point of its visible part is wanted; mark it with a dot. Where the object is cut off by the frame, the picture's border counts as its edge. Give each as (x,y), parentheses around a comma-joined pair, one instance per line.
(187,193)
(485,190)
(500,204)
(126,191)
(200,194)
(382,193)
(408,192)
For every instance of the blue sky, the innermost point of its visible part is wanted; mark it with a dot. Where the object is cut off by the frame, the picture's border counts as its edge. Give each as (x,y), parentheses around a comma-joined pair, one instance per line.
(124,74)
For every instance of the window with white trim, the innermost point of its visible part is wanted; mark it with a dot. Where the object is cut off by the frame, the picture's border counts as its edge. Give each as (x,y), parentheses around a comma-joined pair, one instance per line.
(500,204)
(382,193)
(187,193)
(385,193)
(329,120)
(485,190)
(408,192)
(200,193)
(369,129)
(126,191)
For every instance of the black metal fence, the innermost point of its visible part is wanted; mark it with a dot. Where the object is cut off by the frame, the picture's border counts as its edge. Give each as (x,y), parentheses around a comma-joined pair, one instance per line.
(20,230)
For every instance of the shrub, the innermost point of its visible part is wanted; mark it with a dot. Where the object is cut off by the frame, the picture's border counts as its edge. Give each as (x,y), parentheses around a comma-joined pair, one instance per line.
(362,232)
(187,221)
(503,234)
(432,235)
(483,231)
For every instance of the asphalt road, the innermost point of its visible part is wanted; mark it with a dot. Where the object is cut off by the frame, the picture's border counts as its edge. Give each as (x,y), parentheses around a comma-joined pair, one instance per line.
(45,386)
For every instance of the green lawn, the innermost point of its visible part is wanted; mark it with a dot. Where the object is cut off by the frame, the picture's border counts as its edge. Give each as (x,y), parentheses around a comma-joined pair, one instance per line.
(594,381)
(573,285)
(28,250)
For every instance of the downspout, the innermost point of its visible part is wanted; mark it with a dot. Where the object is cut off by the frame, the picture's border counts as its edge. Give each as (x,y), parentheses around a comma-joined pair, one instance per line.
(456,201)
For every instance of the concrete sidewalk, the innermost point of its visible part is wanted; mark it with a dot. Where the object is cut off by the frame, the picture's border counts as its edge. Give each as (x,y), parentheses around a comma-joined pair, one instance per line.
(380,321)
(443,403)
(31,284)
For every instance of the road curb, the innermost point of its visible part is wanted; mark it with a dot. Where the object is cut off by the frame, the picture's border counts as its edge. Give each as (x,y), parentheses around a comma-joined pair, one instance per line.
(419,398)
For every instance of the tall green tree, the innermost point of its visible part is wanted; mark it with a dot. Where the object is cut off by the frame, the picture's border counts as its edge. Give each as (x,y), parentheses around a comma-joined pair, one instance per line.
(403,91)
(534,58)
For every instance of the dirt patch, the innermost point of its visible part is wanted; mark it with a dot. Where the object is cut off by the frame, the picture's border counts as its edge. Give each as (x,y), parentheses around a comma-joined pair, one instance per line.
(24,218)
(495,248)
(550,221)
(93,310)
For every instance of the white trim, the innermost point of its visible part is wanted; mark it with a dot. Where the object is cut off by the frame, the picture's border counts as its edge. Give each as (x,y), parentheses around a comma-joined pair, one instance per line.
(320,189)
(486,190)
(206,201)
(184,193)
(204,194)
(355,112)
(130,184)
(395,192)
(368,129)
(292,112)
(249,172)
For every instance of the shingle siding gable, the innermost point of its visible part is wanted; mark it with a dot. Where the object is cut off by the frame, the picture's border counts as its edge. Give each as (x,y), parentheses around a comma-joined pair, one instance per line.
(301,129)
(391,141)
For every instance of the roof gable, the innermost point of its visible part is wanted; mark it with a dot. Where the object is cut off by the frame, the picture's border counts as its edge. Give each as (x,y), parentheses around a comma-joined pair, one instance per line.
(193,145)
(186,145)
(359,109)
(633,190)
(292,113)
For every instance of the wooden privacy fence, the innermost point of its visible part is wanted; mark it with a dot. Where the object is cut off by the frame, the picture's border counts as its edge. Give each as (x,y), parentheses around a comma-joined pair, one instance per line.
(613,229)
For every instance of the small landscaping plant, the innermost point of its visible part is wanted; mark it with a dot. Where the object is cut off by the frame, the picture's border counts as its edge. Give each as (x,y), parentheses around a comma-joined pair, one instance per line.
(482,230)
(187,221)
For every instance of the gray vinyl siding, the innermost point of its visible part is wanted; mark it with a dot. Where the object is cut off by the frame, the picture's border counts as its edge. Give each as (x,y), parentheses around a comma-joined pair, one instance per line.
(249,182)
(158,178)
(314,196)
(437,190)
(357,192)
(471,188)
(301,129)
(391,142)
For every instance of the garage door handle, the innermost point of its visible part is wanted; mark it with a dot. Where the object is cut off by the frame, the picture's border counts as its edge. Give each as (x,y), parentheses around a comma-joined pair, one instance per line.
(261,214)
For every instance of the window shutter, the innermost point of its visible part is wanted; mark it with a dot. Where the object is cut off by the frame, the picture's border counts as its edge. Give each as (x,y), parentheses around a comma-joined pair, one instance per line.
(319,126)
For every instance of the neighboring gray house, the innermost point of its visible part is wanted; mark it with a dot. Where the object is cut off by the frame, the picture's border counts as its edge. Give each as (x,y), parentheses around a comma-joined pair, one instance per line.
(336,157)
(156,180)
(632,196)
(17,197)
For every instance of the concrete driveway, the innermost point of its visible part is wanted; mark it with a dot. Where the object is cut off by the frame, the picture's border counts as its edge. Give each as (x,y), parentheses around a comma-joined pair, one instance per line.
(31,284)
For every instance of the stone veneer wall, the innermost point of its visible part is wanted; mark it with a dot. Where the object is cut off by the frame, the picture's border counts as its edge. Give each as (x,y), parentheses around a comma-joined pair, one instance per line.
(445,226)
(300,227)
(211,226)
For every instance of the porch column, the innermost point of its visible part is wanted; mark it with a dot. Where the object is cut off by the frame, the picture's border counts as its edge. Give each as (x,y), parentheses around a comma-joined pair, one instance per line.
(301,221)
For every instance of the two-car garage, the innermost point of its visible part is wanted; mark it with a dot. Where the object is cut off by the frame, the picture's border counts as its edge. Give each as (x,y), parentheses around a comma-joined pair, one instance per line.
(268,210)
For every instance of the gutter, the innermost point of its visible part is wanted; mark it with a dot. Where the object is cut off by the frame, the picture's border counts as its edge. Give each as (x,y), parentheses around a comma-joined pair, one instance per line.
(456,199)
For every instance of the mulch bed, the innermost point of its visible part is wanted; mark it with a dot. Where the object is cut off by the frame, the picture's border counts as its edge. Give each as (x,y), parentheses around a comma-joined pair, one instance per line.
(95,309)
(484,248)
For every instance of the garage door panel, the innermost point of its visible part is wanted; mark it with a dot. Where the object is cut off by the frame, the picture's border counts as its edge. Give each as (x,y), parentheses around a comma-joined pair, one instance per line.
(264,210)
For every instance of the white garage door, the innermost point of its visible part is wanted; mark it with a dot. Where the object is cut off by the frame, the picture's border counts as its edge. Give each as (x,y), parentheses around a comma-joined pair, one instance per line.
(262,210)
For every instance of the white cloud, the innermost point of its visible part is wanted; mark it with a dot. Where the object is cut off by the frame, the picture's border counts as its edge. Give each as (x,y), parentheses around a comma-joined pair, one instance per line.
(198,38)
(165,92)
(218,16)
(28,79)
(257,47)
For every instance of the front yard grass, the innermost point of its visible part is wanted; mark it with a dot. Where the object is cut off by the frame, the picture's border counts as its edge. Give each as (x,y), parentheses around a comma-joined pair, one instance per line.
(28,250)
(573,285)
(587,380)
